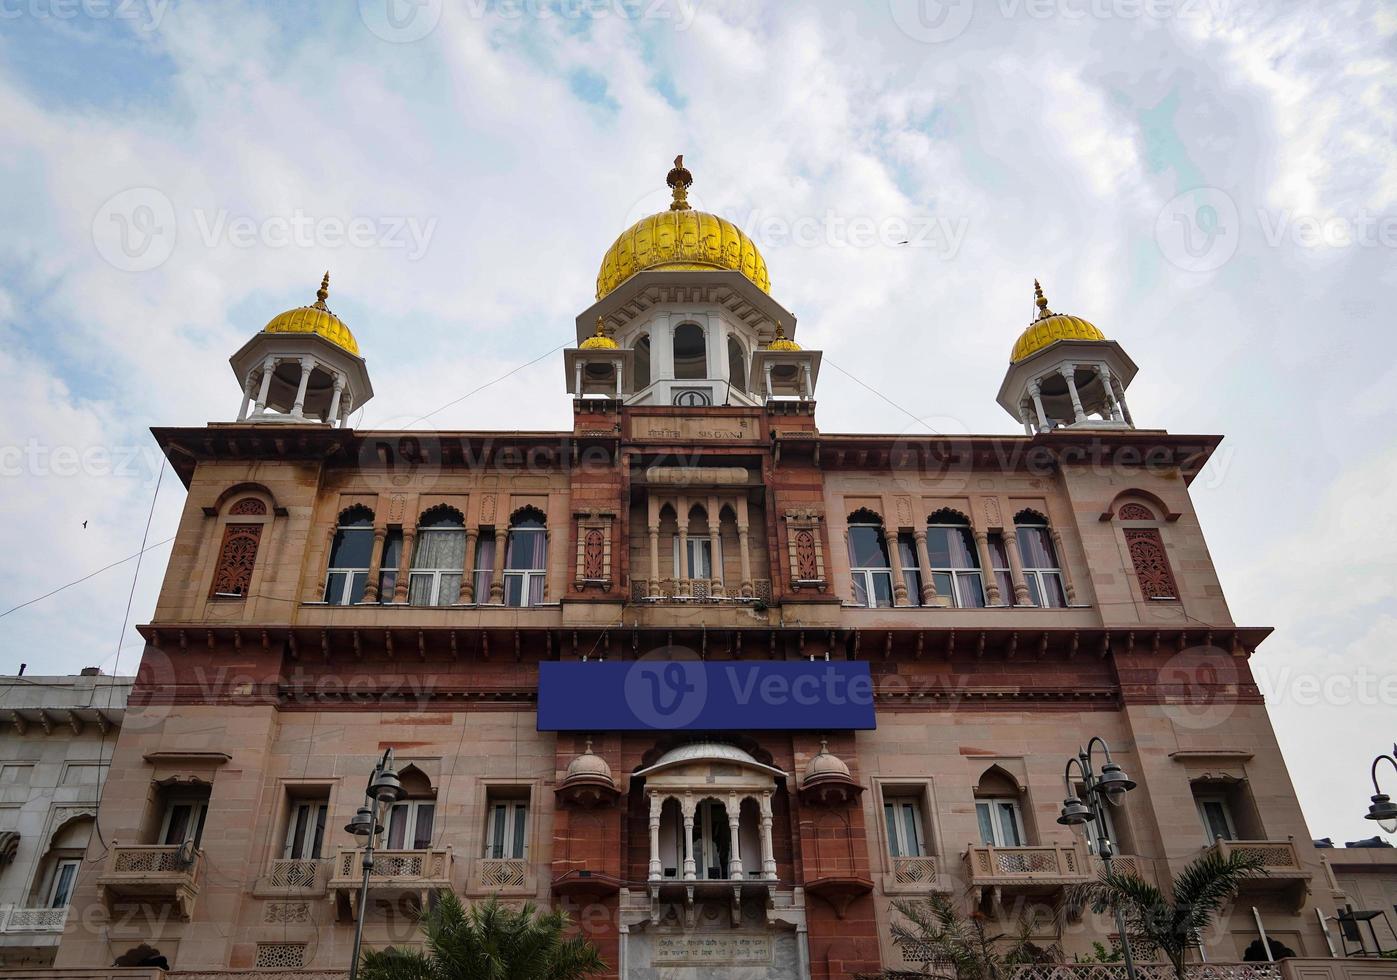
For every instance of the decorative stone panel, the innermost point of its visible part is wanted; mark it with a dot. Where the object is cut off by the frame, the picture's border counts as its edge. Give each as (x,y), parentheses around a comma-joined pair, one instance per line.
(280,956)
(805,548)
(236,559)
(1151,562)
(594,558)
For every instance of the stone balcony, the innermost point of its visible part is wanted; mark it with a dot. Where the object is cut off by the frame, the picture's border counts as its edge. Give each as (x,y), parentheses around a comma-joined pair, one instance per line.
(508,876)
(1284,874)
(1042,870)
(915,876)
(164,873)
(33,924)
(700,590)
(397,874)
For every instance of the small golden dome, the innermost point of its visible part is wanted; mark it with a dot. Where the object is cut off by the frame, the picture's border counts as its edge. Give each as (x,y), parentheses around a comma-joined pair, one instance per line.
(316,319)
(598,340)
(1049,327)
(779,342)
(681,238)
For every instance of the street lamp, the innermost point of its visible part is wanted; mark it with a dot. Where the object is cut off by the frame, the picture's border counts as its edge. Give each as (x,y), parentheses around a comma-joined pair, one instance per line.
(384,789)
(1382,809)
(1109,787)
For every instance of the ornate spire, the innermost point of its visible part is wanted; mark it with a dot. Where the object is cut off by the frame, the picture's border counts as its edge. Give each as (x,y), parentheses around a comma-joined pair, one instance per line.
(680,180)
(599,340)
(323,293)
(779,342)
(1041,300)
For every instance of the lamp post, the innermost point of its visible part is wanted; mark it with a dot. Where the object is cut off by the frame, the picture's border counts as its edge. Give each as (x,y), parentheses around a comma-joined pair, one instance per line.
(1109,787)
(1383,809)
(384,789)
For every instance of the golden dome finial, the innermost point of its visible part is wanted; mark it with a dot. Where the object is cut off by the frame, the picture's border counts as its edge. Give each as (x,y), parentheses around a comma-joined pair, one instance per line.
(1041,300)
(679,180)
(599,340)
(779,342)
(323,293)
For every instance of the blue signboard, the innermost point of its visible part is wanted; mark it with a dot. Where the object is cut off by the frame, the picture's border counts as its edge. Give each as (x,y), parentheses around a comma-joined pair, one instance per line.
(691,695)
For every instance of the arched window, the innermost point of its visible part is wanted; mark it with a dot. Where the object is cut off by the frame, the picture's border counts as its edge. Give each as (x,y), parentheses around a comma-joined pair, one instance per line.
(237,556)
(868,560)
(525,558)
(410,819)
(955,566)
(999,809)
(348,572)
(737,364)
(642,362)
(1041,569)
(699,562)
(690,352)
(438,558)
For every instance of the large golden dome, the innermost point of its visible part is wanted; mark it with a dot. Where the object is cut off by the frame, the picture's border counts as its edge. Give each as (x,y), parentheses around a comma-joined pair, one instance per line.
(681,238)
(1049,327)
(316,319)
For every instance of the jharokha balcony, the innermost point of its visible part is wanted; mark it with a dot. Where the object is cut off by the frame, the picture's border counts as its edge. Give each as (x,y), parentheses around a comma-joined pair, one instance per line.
(397,874)
(699,590)
(1023,870)
(165,873)
(1284,874)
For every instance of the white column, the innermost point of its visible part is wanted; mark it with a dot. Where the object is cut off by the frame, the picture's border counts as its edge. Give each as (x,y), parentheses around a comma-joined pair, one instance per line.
(1026,416)
(735,857)
(307,366)
(769,389)
(333,415)
(687,808)
(656,808)
(661,349)
(248,395)
(1037,397)
(1120,397)
(809,391)
(1108,386)
(346,408)
(768,853)
(1069,374)
(268,369)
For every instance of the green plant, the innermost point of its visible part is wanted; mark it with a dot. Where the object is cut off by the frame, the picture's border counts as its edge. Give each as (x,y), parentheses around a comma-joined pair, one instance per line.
(488,941)
(1100,954)
(937,928)
(1159,924)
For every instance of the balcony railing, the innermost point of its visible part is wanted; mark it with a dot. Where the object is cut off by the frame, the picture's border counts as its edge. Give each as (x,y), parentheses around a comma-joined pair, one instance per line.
(1146,971)
(697,590)
(293,876)
(1039,869)
(395,873)
(1281,862)
(163,872)
(36,920)
(501,874)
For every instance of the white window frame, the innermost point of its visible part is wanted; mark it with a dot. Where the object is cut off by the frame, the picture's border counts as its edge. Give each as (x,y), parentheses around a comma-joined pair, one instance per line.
(51,900)
(436,598)
(996,828)
(198,813)
(869,573)
(700,552)
(1226,809)
(526,575)
(514,833)
(954,574)
(317,813)
(897,829)
(347,589)
(1034,576)
(412,808)
(706,851)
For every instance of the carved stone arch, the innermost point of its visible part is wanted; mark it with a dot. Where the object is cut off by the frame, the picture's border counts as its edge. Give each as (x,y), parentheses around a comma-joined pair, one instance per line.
(528,513)
(417,783)
(355,513)
(1137,495)
(1133,510)
(441,513)
(1032,515)
(671,742)
(235,493)
(948,515)
(866,516)
(996,773)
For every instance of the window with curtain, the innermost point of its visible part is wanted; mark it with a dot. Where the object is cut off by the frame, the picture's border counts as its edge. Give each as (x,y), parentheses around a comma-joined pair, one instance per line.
(65,875)
(507,833)
(700,561)
(350,551)
(484,565)
(410,825)
(955,567)
(305,829)
(438,560)
(903,818)
(999,562)
(1001,822)
(869,565)
(526,554)
(1041,569)
(911,567)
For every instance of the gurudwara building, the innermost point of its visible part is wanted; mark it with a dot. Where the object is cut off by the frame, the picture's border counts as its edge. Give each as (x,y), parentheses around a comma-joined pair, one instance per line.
(723,685)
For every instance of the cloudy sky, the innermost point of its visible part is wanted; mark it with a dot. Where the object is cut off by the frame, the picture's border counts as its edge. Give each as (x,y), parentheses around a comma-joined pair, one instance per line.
(1212,182)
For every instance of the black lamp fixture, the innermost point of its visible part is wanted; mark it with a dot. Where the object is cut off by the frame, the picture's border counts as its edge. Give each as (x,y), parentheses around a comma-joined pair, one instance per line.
(384,789)
(1113,783)
(1383,809)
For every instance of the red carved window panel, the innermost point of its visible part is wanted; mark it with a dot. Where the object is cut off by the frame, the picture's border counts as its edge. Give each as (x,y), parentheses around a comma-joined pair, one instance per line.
(807,568)
(248,507)
(1151,563)
(236,559)
(1134,512)
(594,555)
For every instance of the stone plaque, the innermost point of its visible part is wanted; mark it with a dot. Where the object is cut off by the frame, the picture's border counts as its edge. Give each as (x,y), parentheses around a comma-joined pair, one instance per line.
(712,949)
(682,428)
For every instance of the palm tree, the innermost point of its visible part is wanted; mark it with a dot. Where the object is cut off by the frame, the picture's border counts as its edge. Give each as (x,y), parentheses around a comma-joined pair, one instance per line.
(1157,924)
(937,928)
(488,941)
